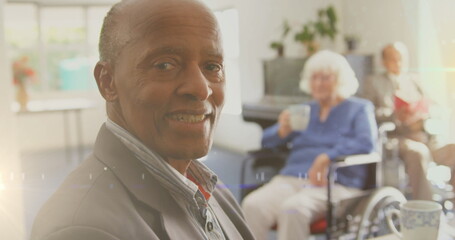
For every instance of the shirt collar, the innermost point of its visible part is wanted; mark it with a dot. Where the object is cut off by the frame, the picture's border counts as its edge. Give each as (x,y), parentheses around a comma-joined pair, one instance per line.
(156,164)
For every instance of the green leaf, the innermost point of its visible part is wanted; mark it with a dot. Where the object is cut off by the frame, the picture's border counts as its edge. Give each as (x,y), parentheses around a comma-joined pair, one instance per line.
(324,26)
(276,45)
(320,13)
(331,15)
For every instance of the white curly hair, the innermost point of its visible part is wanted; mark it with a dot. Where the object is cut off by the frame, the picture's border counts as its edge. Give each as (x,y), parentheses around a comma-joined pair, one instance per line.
(328,61)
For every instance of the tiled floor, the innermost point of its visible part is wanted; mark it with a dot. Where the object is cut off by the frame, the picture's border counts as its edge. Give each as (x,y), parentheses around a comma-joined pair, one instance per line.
(43,172)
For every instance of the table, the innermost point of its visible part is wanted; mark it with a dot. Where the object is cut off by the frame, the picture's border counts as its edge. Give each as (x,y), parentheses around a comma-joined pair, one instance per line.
(446,232)
(64,106)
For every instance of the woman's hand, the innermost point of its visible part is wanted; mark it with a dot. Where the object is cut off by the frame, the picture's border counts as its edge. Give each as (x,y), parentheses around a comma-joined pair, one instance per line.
(284,124)
(318,171)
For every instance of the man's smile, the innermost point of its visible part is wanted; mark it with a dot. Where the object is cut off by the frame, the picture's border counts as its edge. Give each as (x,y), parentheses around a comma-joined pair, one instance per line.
(188,118)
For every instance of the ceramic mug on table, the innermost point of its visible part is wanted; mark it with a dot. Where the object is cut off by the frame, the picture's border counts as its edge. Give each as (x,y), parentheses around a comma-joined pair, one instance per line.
(299,116)
(419,220)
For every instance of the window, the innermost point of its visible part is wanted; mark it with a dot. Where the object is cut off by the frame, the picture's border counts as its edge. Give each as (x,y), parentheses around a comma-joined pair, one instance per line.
(59,42)
(21,32)
(229,24)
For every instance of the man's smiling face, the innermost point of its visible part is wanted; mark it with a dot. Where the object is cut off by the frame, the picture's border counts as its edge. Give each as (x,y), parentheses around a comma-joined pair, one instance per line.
(169,78)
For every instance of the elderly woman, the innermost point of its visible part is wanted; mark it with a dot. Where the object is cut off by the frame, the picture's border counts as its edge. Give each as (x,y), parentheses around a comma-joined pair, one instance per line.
(339,125)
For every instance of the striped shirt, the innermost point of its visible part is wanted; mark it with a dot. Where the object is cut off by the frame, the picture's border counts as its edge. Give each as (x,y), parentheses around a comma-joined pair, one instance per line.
(185,192)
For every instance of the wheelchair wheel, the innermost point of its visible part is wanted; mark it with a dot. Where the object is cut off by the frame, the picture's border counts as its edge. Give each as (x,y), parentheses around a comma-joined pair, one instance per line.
(373,221)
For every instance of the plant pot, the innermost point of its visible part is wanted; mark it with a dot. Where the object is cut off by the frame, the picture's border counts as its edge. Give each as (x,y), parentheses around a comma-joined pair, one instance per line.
(311,47)
(280,51)
(22,97)
(352,45)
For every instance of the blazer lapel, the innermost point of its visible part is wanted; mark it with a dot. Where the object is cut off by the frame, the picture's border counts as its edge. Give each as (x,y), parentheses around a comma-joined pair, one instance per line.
(143,186)
(228,227)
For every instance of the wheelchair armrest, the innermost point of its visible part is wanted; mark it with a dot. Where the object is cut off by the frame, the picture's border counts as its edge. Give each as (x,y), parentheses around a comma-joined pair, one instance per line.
(268,153)
(341,162)
(268,157)
(265,157)
(353,160)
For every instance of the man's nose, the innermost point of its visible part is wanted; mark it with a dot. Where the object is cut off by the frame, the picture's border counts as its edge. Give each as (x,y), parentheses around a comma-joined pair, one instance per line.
(195,84)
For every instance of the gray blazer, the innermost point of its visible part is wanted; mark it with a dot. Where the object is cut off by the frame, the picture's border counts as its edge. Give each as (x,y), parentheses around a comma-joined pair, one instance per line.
(380,90)
(111,196)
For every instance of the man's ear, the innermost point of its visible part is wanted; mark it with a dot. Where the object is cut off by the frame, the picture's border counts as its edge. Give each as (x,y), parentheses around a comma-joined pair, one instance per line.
(105,81)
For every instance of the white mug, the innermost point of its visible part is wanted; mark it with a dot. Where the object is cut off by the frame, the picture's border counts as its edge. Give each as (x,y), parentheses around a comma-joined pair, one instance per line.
(299,116)
(419,220)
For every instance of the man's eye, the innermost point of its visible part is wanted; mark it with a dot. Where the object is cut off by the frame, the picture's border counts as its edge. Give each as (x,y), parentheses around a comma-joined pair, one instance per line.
(164,66)
(214,67)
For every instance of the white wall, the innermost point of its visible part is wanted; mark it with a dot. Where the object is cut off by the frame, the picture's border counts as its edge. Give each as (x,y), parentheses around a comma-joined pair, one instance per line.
(436,45)
(378,23)
(11,208)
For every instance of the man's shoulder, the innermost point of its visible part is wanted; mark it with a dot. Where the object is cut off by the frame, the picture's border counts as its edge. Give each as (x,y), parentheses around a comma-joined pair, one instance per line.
(415,78)
(379,74)
(375,84)
(377,77)
(89,196)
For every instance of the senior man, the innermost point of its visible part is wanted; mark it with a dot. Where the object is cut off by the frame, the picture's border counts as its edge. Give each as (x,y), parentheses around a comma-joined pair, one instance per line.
(161,74)
(417,147)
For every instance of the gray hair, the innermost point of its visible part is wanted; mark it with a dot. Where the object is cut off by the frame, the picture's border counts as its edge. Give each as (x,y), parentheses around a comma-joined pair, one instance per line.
(326,60)
(111,39)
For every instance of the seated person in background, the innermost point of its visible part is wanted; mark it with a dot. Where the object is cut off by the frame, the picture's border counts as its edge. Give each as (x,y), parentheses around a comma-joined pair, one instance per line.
(339,125)
(398,97)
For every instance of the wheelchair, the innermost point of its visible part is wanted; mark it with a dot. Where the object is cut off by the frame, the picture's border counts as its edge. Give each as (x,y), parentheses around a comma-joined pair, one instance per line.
(360,217)
(394,173)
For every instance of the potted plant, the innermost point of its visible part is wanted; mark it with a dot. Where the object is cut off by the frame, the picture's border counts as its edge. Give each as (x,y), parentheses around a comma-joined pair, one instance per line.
(279,45)
(324,26)
(351,41)
(22,74)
